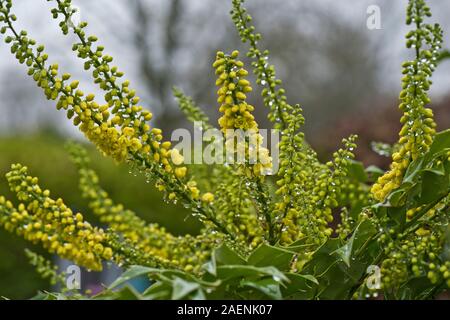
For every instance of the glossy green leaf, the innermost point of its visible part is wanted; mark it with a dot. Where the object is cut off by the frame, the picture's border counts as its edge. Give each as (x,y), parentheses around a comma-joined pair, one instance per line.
(363,233)
(357,171)
(413,170)
(397,215)
(300,286)
(224,255)
(374,172)
(267,286)
(127,293)
(131,273)
(211,266)
(266,255)
(435,185)
(416,288)
(227,272)
(158,290)
(182,288)
(345,251)
(441,141)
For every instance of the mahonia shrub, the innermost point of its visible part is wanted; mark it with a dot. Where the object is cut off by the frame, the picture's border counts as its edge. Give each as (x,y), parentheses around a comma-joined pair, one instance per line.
(263,236)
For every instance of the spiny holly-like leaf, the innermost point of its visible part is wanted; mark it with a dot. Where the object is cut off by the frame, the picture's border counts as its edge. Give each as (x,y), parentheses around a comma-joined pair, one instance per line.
(131,273)
(266,255)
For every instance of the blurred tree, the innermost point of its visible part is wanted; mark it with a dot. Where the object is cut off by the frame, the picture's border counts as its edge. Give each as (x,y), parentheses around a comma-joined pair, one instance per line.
(158,76)
(317,53)
(23,107)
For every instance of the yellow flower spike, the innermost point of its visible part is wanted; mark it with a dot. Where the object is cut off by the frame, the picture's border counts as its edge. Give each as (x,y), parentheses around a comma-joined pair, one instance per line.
(51,222)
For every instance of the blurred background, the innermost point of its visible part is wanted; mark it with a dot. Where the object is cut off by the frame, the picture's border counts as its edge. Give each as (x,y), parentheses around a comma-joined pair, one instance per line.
(345,75)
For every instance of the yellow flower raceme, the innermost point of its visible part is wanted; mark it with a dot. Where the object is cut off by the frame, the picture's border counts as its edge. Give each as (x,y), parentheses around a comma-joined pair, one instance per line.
(51,223)
(151,239)
(232,93)
(253,160)
(312,212)
(235,208)
(122,103)
(418,251)
(419,127)
(237,114)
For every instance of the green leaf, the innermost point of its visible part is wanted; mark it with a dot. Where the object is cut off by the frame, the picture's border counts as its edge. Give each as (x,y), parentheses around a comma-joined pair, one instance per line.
(159,290)
(227,272)
(268,286)
(306,277)
(43,295)
(398,197)
(397,214)
(434,185)
(299,246)
(300,286)
(198,295)
(438,168)
(131,273)
(374,172)
(266,255)
(211,266)
(413,170)
(322,258)
(441,141)
(416,288)
(335,278)
(127,293)
(182,288)
(365,233)
(329,270)
(345,251)
(356,170)
(224,255)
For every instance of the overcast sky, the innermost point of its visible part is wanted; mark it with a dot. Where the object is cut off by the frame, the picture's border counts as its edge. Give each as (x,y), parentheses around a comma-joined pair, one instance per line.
(112,22)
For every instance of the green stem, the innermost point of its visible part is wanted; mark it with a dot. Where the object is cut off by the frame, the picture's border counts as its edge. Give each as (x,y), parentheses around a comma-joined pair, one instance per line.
(260,57)
(266,211)
(411,223)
